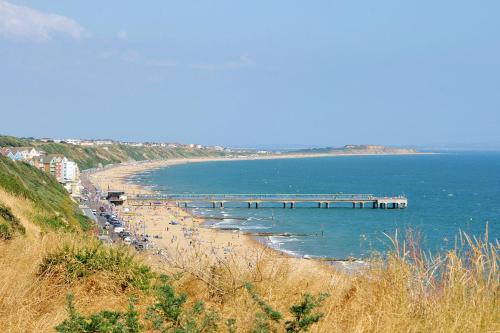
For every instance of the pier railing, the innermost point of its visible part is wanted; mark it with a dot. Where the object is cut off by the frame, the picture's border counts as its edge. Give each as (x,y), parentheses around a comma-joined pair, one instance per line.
(261,197)
(326,200)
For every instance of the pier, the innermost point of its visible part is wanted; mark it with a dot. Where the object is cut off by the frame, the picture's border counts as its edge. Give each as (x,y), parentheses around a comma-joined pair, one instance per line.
(284,200)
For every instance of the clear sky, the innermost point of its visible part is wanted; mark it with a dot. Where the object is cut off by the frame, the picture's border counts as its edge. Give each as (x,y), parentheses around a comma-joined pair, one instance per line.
(252,72)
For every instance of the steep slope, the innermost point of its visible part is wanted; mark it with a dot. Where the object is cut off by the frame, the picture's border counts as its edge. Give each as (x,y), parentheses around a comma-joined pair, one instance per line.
(52,207)
(91,156)
(9,223)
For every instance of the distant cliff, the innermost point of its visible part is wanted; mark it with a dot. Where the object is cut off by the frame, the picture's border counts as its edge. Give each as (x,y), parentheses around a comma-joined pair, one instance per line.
(357,149)
(91,156)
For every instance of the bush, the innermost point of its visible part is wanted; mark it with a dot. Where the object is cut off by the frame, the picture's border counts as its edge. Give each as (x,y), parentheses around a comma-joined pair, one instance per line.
(103,322)
(303,317)
(75,262)
(9,224)
(302,314)
(169,313)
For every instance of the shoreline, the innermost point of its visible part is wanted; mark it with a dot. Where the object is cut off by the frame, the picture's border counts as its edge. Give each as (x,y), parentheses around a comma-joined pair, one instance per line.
(134,167)
(189,234)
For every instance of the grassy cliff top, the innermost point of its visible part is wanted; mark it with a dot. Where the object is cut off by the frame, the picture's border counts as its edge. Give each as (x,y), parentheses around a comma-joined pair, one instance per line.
(90,156)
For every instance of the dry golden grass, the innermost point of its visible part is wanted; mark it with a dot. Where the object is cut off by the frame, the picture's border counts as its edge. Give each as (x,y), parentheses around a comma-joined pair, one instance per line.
(30,302)
(456,292)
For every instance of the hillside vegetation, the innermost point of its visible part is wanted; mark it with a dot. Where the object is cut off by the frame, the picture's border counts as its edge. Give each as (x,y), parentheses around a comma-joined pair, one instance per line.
(9,224)
(55,276)
(90,156)
(52,206)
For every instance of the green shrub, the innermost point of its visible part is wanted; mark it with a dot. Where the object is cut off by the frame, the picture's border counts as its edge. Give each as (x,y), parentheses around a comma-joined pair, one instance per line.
(303,317)
(169,313)
(76,262)
(102,322)
(302,313)
(9,224)
(266,320)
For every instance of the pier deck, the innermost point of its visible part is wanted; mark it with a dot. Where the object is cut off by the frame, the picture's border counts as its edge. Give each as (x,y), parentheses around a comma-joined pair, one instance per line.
(287,200)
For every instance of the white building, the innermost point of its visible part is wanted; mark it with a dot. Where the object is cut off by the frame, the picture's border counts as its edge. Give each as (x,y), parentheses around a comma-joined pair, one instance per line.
(73,141)
(103,142)
(70,171)
(23,153)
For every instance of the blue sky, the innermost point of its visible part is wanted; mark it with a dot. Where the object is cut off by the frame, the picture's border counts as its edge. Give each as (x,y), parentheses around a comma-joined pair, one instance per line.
(254,72)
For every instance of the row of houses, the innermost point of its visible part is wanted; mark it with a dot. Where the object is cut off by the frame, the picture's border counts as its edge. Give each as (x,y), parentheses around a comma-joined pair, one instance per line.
(63,169)
(108,142)
(21,153)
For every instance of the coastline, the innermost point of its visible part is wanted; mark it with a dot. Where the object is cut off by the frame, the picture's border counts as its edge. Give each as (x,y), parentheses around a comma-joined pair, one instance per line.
(188,241)
(188,236)
(127,169)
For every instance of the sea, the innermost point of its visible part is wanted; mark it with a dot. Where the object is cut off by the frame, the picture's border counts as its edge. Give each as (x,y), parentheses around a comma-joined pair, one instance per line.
(448,193)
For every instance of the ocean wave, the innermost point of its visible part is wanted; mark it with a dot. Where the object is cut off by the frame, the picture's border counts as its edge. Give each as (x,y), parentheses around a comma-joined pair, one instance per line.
(283,239)
(253,227)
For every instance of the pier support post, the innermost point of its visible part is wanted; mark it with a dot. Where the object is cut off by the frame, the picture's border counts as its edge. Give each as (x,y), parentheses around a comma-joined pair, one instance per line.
(353,205)
(185,205)
(256,205)
(319,204)
(292,205)
(249,205)
(284,204)
(361,205)
(327,205)
(375,205)
(221,204)
(213,204)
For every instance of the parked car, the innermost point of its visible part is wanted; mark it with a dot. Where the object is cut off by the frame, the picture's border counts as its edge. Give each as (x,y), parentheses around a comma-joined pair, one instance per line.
(141,246)
(124,234)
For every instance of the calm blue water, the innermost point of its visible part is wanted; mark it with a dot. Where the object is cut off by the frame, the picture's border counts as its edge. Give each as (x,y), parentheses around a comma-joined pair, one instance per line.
(446,192)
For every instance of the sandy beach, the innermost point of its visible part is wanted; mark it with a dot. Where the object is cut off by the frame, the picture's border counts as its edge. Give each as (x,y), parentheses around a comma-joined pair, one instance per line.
(176,235)
(180,240)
